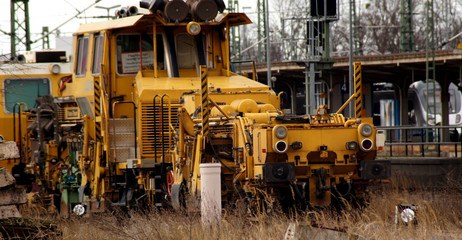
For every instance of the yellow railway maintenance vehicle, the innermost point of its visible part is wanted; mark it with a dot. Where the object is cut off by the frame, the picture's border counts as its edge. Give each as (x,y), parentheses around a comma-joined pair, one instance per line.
(152,96)
(37,74)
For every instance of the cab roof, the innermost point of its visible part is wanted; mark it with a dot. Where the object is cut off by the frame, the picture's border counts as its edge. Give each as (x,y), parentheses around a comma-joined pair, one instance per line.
(234,19)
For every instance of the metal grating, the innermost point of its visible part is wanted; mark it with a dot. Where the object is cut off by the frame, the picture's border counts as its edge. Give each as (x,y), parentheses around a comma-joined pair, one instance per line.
(122,137)
(122,125)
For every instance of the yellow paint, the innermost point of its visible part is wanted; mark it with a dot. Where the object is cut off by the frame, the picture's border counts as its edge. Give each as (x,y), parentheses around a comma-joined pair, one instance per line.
(25,71)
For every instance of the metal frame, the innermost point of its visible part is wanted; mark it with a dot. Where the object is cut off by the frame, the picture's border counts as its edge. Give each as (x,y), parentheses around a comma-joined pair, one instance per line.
(399,136)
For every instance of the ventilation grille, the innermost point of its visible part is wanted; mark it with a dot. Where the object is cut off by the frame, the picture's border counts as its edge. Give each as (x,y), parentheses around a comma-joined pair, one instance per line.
(151,140)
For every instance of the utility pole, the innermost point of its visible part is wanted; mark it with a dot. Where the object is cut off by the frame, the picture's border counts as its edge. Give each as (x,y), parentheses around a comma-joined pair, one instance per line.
(20,29)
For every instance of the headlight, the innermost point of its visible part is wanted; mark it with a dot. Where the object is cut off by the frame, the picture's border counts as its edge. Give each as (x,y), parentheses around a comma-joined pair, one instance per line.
(366,130)
(54,68)
(193,28)
(457,118)
(431,121)
(367,144)
(79,209)
(280,132)
(351,145)
(280,146)
(407,215)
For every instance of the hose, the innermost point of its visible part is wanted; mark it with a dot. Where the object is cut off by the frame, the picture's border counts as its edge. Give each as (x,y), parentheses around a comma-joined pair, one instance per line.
(343,195)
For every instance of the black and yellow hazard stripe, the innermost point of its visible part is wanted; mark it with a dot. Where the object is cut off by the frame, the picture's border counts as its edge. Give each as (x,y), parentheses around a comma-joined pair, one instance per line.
(205,102)
(358,91)
(97,93)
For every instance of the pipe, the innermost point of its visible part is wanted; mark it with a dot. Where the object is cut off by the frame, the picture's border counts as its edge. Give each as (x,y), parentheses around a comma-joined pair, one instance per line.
(345,104)
(238,187)
(219,108)
(349,122)
(132,11)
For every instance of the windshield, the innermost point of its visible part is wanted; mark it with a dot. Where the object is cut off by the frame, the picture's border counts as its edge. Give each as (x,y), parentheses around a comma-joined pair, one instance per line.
(129,58)
(431,99)
(454,101)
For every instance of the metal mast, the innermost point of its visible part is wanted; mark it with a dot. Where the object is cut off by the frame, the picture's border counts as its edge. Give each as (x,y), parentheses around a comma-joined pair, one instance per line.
(446,18)
(350,57)
(406,43)
(20,30)
(430,64)
(356,43)
(261,9)
(235,42)
(318,55)
(46,40)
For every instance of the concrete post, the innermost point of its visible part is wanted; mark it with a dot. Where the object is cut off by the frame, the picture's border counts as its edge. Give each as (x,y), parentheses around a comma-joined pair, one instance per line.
(210,193)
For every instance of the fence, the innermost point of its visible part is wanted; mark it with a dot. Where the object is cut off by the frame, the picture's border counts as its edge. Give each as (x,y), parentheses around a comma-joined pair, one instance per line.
(427,141)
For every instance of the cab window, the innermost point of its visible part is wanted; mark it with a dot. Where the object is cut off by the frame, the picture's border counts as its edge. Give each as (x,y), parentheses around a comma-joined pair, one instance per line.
(82,52)
(24,90)
(97,54)
(128,53)
(186,51)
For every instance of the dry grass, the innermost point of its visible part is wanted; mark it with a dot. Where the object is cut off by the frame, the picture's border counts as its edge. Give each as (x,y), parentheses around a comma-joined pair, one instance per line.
(439,216)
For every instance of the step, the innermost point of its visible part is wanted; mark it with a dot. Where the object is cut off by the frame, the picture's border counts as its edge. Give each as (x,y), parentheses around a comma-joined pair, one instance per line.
(121,125)
(122,140)
(123,153)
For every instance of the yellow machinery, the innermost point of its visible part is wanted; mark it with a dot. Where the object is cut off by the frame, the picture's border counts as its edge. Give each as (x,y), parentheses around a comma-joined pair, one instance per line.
(152,96)
(22,82)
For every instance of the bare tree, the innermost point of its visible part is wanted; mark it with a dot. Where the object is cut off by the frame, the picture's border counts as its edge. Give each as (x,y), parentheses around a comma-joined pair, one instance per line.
(292,28)
(377,27)
(378,23)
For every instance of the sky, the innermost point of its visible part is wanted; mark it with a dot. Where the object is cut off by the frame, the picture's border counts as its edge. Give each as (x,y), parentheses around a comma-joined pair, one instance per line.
(44,13)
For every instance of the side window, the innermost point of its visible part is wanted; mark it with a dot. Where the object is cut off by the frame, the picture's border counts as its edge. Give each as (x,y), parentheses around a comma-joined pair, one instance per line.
(97,54)
(454,101)
(82,52)
(185,49)
(24,90)
(128,52)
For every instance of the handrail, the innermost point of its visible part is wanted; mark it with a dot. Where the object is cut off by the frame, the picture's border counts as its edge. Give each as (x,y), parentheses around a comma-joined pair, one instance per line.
(397,136)
(155,125)
(162,124)
(19,106)
(416,127)
(254,69)
(345,104)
